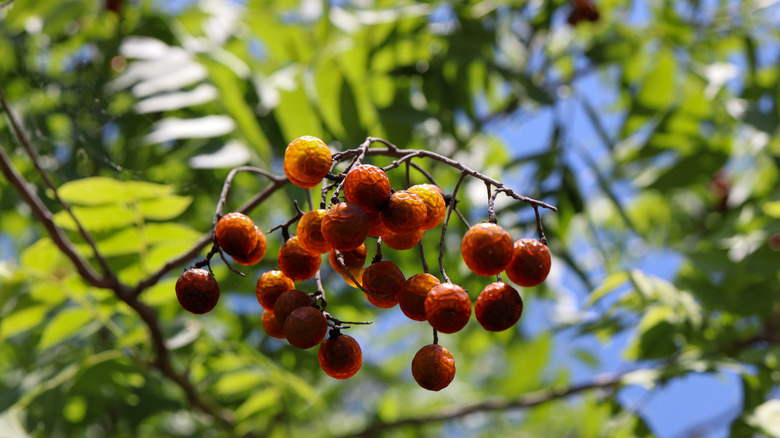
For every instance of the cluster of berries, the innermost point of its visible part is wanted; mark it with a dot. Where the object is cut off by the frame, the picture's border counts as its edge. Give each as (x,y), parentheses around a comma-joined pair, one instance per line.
(399,218)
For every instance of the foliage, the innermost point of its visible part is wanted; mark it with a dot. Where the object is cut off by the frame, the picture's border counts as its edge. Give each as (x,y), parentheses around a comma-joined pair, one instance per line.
(661,141)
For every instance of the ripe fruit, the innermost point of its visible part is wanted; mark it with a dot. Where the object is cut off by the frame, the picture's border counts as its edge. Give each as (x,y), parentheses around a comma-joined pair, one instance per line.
(434,203)
(376,227)
(345,226)
(197,291)
(447,307)
(236,234)
(310,232)
(367,186)
(289,301)
(498,307)
(404,212)
(271,325)
(256,254)
(412,296)
(486,249)
(382,281)
(307,160)
(530,264)
(340,356)
(353,259)
(433,367)
(305,327)
(358,276)
(269,286)
(296,262)
(402,241)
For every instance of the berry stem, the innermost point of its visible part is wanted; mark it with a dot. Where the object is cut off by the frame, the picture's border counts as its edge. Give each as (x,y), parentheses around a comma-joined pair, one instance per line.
(378,256)
(422,257)
(542,237)
(286,226)
(444,226)
(435,337)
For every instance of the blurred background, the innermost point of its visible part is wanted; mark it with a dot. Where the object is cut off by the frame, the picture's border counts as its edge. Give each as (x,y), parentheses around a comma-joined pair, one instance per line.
(651,125)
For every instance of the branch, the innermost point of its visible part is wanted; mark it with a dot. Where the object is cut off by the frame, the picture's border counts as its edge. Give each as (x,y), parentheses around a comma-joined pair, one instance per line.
(496,404)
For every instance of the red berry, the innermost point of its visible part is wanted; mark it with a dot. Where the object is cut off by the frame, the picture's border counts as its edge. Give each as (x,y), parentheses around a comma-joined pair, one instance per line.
(310,232)
(486,249)
(340,356)
(271,325)
(433,367)
(498,307)
(236,235)
(269,286)
(289,301)
(256,254)
(448,307)
(530,263)
(305,327)
(382,281)
(296,261)
(197,291)
(345,226)
(412,296)
(367,186)
(404,212)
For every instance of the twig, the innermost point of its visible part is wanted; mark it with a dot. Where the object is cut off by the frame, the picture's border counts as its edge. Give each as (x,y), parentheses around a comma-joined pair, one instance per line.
(435,337)
(6,3)
(286,226)
(444,226)
(539,228)
(422,257)
(229,181)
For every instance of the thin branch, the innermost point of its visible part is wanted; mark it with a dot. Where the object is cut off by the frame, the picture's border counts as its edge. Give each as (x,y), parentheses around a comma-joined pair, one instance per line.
(229,181)
(496,404)
(422,257)
(424,172)
(444,226)
(6,3)
(21,135)
(539,228)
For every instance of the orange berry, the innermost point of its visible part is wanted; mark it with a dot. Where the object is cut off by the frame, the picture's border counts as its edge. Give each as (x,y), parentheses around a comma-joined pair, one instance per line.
(433,367)
(340,356)
(257,254)
(307,160)
(382,281)
(197,291)
(447,307)
(305,327)
(358,275)
(434,203)
(404,212)
(402,241)
(530,263)
(310,232)
(296,262)
(367,186)
(376,227)
(353,259)
(271,325)
(412,296)
(498,307)
(269,286)
(486,249)
(236,235)
(289,301)
(345,226)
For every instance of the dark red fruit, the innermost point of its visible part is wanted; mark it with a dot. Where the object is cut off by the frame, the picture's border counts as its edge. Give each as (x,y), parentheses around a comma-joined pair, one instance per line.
(353,260)
(448,307)
(296,261)
(197,291)
(486,249)
(367,186)
(345,226)
(289,301)
(498,307)
(271,325)
(413,293)
(404,212)
(269,286)
(310,232)
(433,367)
(382,282)
(236,235)
(305,327)
(340,356)
(257,254)
(530,264)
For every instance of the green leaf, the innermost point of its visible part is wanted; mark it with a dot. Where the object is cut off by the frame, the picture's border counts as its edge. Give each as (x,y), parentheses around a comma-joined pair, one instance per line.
(42,255)
(165,208)
(238,382)
(92,191)
(97,218)
(772,208)
(612,282)
(64,325)
(257,402)
(22,320)
(138,190)
(157,233)
(658,90)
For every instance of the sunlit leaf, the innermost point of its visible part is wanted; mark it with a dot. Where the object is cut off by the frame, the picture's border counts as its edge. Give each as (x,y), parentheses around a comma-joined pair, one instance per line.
(21,320)
(65,324)
(164,208)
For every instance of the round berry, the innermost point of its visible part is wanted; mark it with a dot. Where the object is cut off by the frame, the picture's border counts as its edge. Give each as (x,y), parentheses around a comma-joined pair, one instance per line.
(340,356)
(296,262)
(345,226)
(402,241)
(269,286)
(305,327)
(310,232)
(236,235)
(530,264)
(486,249)
(256,254)
(197,291)
(404,212)
(498,307)
(433,367)
(353,259)
(411,299)
(307,160)
(382,282)
(434,203)
(447,307)
(376,227)
(289,301)
(271,325)
(367,186)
